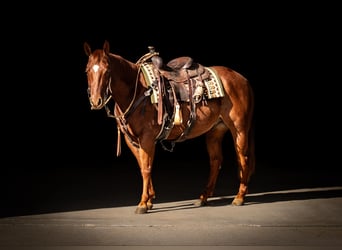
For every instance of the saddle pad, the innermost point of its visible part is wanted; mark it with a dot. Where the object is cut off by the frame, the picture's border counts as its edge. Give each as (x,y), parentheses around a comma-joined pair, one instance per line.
(213,85)
(150,78)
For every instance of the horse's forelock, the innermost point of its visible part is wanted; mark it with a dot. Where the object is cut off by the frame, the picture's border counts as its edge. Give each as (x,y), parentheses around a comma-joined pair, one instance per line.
(98,57)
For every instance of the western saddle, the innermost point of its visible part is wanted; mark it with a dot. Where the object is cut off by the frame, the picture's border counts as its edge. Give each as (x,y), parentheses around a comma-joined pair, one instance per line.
(179,80)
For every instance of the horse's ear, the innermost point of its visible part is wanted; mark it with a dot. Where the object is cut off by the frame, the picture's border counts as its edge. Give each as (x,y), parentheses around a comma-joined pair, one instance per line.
(106,46)
(87,49)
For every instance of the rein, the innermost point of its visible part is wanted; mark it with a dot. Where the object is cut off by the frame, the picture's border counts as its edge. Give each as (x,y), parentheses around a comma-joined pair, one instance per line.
(131,107)
(122,116)
(128,110)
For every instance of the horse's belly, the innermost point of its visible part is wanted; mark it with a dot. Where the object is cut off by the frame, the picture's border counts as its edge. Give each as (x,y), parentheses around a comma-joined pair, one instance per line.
(205,120)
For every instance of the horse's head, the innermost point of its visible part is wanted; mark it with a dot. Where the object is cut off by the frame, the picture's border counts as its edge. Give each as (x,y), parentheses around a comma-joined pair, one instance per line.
(98,74)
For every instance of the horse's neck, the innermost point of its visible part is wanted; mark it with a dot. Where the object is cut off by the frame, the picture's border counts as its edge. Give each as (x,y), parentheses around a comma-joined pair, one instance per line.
(123,69)
(124,77)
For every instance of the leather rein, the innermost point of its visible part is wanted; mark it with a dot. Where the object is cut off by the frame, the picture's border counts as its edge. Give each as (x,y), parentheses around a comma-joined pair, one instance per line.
(120,116)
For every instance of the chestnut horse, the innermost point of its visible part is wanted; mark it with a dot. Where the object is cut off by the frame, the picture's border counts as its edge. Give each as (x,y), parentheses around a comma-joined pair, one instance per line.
(173,102)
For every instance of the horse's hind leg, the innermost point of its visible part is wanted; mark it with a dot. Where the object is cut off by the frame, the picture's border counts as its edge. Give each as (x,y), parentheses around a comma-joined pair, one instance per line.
(214,147)
(244,146)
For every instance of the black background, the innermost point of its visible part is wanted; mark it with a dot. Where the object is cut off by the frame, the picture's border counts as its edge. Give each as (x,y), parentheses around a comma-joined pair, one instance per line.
(289,53)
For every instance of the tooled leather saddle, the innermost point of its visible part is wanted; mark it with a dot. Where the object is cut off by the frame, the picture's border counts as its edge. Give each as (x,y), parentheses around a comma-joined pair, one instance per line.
(179,80)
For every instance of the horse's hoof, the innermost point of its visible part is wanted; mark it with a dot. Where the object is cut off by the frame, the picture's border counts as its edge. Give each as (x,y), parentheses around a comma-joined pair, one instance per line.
(200,203)
(149,206)
(237,202)
(141,210)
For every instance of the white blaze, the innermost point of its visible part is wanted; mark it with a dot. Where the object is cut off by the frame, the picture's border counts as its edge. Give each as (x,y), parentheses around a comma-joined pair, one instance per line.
(96,67)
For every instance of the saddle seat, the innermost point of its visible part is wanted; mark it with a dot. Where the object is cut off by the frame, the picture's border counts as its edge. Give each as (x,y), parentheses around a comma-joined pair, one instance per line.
(180,69)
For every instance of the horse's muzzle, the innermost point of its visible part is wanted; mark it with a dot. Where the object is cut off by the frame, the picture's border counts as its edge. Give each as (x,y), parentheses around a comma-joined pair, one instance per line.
(96,105)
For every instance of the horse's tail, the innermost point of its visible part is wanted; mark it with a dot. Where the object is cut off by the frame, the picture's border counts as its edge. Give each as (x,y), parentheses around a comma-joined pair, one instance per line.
(251,148)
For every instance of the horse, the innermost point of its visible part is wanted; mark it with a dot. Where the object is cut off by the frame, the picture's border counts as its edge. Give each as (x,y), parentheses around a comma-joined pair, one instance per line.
(170,103)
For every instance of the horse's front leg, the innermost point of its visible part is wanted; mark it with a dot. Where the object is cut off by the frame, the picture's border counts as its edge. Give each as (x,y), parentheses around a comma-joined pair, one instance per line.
(145,161)
(151,195)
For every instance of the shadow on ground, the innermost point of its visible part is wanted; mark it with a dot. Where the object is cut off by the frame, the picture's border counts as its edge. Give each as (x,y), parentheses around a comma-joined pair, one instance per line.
(70,188)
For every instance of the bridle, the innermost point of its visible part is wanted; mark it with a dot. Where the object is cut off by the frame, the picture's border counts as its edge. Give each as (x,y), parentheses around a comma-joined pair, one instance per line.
(108,97)
(108,91)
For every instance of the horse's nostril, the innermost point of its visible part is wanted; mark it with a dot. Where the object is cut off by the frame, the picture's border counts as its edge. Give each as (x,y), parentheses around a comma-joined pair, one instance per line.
(99,102)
